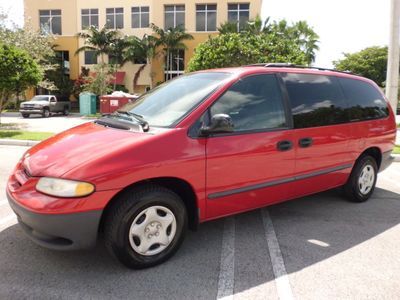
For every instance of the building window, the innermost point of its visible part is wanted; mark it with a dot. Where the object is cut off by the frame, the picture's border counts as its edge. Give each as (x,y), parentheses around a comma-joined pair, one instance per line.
(115,18)
(90,58)
(206,17)
(140,17)
(175,64)
(63,61)
(90,17)
(174,16)
(239,13)
(50,21)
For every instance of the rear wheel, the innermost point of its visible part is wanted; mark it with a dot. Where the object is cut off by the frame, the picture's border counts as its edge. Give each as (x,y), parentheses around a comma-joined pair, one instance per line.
(45,113)
(25,116)
(146,226)
(362,181)
(66,111)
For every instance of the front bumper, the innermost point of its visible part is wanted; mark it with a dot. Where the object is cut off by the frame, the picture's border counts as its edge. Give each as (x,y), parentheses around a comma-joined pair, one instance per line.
(59,231)
(31,111)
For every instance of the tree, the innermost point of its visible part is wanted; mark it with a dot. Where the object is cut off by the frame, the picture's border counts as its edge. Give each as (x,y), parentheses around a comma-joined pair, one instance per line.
(259,42)
(18,71)
(99,82)
(171,40)
(99,41)
(40,47)
(370,62)
(301,33)
(140,51)
(81,82)
(227,27)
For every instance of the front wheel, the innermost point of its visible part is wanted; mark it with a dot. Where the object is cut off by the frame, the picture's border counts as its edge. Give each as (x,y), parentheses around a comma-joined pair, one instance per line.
(145,226)
(45,113)
(362,181)
(25,116)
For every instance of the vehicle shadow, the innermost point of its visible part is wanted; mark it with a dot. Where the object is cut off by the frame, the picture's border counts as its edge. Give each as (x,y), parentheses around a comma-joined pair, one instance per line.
(29,271)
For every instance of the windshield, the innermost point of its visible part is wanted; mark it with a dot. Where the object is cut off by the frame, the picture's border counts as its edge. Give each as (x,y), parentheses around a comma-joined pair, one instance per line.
(168,103)
(40,98)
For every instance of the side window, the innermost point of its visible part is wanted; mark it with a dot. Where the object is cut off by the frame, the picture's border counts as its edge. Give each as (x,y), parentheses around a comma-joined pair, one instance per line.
(253,103)
(365,101)
(316,100)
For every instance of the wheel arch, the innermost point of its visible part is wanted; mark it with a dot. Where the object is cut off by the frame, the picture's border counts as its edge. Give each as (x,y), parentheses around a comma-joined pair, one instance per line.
(375,152)
(181,187)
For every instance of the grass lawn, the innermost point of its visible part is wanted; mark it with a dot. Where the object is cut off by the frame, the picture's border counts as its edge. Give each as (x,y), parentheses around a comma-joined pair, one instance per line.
(24,135)
(396,149)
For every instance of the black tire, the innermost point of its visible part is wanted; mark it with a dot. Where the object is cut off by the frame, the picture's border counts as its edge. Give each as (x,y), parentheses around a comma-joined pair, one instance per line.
(66,111)
(352,188)
(46,112)
(25,116)
(122,214)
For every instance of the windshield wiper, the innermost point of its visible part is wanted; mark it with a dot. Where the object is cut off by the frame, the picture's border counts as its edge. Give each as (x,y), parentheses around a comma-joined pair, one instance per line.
(142,122)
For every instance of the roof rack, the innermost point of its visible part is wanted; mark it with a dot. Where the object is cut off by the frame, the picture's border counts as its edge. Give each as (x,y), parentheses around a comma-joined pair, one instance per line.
(290,65)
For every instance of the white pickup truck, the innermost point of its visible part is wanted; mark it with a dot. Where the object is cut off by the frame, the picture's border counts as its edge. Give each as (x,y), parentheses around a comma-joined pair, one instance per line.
(44,105)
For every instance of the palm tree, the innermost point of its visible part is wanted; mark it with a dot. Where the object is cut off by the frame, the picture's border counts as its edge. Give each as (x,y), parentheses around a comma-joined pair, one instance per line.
(117,54)
(308,39)
(140,51)
(171,40)
(257,26)
(99,41)
(302,34)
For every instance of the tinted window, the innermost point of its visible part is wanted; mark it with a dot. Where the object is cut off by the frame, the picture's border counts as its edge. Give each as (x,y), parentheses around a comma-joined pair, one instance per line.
(365,101)
(253,103)
(316,100)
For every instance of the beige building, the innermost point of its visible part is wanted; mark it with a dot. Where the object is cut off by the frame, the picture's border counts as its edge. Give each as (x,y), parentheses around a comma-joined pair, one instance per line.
(200,18)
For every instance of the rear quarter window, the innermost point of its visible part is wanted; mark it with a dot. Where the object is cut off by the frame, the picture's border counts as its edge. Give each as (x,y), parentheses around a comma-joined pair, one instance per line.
(364,100)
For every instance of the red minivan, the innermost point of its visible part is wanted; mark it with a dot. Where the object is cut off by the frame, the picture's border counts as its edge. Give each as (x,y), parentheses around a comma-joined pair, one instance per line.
(200,147)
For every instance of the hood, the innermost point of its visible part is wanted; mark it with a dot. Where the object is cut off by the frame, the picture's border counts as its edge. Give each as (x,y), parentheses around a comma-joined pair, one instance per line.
(72,148)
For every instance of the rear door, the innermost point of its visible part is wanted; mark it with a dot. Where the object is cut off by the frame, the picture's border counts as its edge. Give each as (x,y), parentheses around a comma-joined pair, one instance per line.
(321,132)
(250,167)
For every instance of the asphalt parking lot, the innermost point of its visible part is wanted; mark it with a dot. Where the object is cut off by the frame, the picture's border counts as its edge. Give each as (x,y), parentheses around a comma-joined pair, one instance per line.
(317,247)
(56,123)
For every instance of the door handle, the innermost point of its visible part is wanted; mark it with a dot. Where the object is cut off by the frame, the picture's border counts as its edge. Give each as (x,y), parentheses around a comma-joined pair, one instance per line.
(284,145)
(305,142)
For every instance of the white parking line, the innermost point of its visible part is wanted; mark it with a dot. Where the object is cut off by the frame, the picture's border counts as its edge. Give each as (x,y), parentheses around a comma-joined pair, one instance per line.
(226,278)
(7,221)
(278,266)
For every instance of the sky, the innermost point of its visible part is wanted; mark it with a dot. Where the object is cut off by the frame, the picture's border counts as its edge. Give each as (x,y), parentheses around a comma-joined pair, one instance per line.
(343,25)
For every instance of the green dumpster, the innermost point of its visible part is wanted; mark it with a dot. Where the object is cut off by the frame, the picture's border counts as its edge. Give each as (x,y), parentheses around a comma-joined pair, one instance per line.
(87,104)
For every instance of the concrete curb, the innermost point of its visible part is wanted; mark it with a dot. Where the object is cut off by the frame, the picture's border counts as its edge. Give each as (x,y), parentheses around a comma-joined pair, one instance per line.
(396,157)
(10,142)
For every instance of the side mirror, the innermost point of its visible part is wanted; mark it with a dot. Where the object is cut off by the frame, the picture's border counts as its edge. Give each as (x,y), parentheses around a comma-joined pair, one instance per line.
(220,123)
(53,100)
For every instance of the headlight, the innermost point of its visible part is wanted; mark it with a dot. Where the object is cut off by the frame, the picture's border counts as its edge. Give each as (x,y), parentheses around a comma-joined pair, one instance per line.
(63,187)
(38,105)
